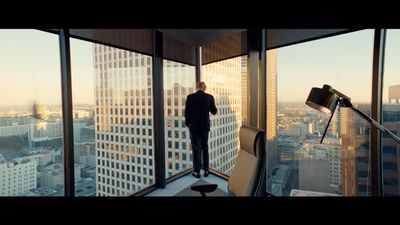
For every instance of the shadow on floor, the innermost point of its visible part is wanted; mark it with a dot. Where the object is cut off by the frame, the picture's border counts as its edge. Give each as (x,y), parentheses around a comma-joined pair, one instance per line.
(188,192)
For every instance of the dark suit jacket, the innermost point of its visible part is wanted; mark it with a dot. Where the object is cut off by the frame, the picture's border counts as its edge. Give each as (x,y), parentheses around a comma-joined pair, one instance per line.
(198,106)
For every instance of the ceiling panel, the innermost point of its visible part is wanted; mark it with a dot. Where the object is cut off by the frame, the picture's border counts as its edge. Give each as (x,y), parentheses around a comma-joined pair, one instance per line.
(283,37)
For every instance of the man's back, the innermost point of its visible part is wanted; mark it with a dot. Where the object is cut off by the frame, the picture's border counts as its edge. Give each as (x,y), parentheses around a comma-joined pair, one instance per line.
(198,106)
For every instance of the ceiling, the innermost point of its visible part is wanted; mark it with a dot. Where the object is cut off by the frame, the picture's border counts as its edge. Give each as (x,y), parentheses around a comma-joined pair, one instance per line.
(275,37)
(199,37)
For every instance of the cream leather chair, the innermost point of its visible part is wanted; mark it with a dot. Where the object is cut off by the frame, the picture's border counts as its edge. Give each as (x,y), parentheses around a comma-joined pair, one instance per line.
(248,176)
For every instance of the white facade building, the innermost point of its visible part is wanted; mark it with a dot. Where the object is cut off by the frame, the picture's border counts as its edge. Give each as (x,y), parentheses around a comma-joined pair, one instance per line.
(52,176)
(17,177)
(123,121)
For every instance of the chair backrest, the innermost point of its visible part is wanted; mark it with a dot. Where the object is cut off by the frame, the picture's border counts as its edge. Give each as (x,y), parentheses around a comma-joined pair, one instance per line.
(248,176)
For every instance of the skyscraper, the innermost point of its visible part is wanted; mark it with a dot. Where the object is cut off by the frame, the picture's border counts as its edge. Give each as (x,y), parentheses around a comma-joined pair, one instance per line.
(244,89)
(271,113)
(179,81)
(223,81)
(124,122)
(355,154)
(391,150)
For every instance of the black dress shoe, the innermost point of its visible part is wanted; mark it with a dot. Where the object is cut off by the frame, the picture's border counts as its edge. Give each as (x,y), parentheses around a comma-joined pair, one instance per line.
(206,173)
(197,175)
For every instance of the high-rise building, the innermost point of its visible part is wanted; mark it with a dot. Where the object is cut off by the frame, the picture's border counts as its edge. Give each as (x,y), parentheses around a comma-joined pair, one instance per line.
(179,81)
(223,81)
(271,111)
(391,150)
(356,157)
(124,121)
(335,123)
(244,89)
(354,133)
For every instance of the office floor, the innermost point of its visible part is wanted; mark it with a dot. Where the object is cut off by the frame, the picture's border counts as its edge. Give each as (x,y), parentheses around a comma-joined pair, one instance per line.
(181,186)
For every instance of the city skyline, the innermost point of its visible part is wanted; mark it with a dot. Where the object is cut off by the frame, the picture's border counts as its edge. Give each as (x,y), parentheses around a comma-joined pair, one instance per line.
(114,148)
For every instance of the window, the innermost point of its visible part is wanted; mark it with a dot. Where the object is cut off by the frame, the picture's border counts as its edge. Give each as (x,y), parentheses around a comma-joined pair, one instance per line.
(28,81)
(121,84)
(224,80)
(339,61)
(178,79)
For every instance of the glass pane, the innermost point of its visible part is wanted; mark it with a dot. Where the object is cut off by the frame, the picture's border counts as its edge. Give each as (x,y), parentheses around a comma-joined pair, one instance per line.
(224,81)
(31,154)
(391,114)
(340,165)
(179,81)
(83,114)
(113,108)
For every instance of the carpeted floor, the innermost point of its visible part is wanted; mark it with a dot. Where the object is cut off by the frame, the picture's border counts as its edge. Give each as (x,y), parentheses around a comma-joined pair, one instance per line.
(188,192)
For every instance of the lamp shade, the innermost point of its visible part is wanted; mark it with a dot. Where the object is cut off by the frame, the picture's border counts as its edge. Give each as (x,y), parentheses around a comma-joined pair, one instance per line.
(322,99)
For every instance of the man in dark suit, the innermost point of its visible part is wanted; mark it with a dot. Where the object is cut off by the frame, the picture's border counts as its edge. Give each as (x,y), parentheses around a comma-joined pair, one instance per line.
(197,119)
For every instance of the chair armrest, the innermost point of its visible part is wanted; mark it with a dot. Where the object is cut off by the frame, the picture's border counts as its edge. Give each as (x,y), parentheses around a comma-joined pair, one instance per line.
(205,188)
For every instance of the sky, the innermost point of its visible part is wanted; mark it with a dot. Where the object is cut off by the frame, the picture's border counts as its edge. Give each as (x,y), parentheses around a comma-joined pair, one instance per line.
(30,67)
(343,62)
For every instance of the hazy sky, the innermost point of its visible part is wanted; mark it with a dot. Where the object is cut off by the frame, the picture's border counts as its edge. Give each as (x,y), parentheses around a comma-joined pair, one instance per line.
(30,67)
(82,71)
(344,62)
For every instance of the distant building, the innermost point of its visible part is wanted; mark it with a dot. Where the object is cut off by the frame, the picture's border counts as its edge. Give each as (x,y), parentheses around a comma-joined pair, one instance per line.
(17,177)
(42,156)
(77,114)
(79,124)
(391,150)
(314,175)
(45,134)
(304,193)
(330,150)
(394,93)
(85,187)
(40,112)
(87,134)
(13,130)
(287,149)
(271,112)
(297,130)
(280,174)
(52,176)
(85,154)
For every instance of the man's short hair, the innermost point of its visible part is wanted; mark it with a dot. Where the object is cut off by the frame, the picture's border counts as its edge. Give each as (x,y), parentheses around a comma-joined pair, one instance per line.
(201,85)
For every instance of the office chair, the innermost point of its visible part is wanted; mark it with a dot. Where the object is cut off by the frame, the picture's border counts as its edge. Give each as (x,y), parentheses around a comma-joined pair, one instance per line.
(248,176)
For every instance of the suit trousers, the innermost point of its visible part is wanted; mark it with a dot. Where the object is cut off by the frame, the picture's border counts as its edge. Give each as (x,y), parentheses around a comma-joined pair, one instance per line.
(200,147)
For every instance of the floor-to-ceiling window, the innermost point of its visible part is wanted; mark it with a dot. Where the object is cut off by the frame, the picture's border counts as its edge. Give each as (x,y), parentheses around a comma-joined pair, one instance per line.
(31,151)
(82,70)
(179,81)
(224,81)
(113,119)
(341,164)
